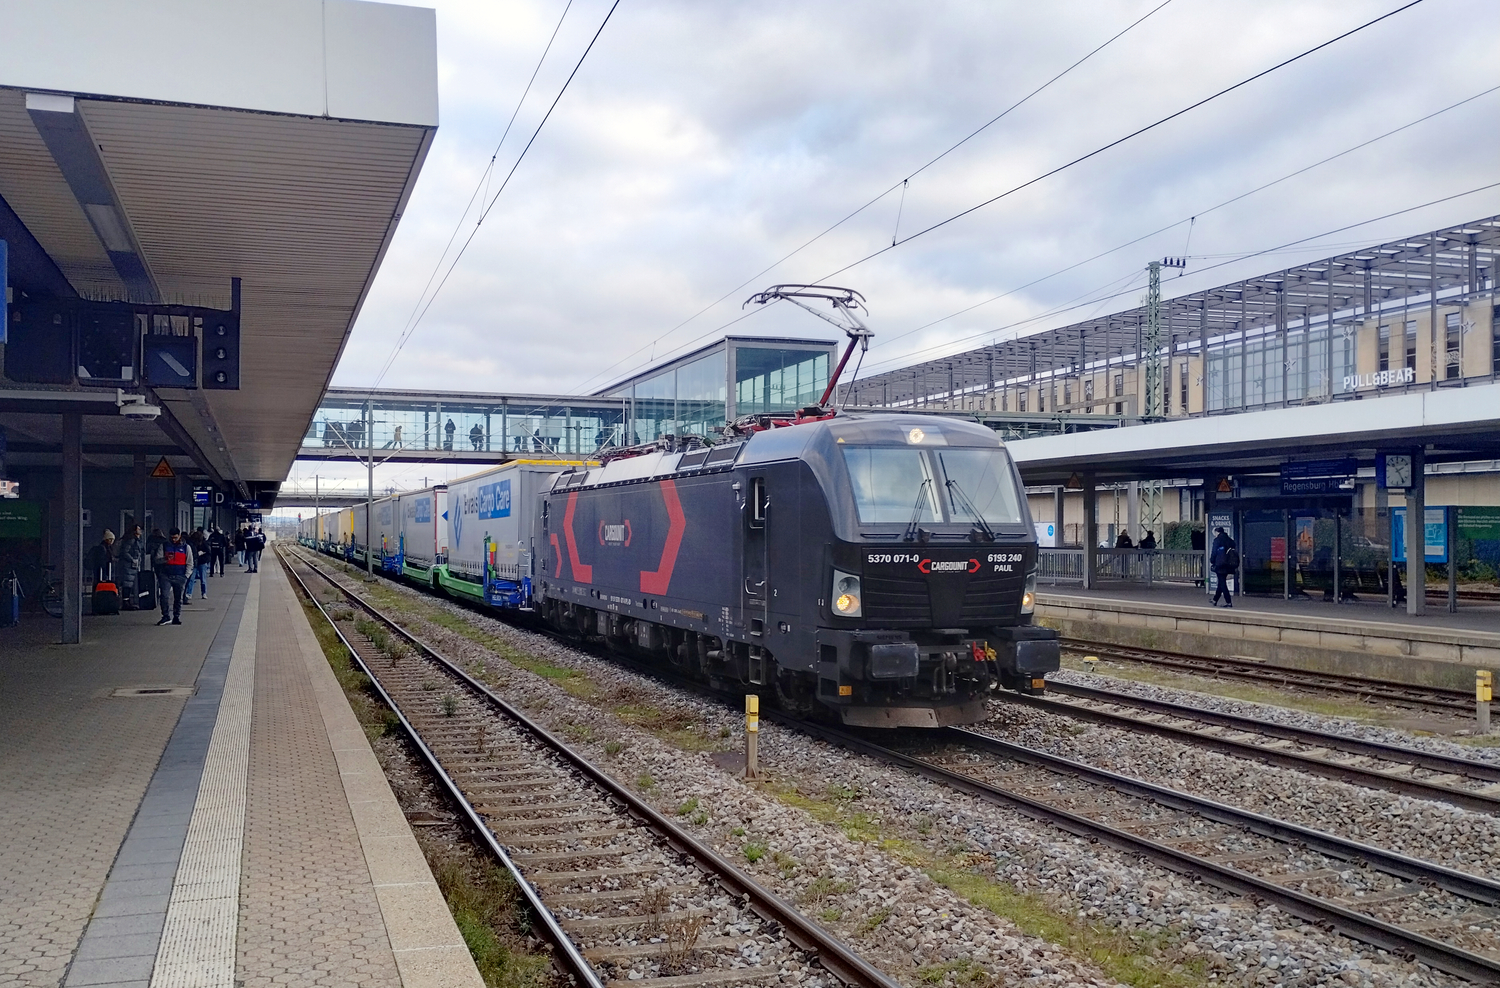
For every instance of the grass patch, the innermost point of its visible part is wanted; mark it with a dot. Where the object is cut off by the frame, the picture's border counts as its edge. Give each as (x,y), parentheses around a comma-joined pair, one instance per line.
(822,887)
(754,851)
(872,922)
(1479,741)
(485,902)
(962,972)
(677,728)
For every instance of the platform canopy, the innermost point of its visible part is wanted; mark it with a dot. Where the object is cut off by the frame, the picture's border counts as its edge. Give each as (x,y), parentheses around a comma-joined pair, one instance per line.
(153,150)
(1450,424)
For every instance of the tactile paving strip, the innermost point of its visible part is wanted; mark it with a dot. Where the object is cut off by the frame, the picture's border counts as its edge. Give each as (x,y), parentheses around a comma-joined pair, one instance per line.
(198,941)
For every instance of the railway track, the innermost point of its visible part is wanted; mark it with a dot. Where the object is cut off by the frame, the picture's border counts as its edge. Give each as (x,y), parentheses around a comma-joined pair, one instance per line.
(621,893)
(1443,918)
(1463,782)
(1281,677)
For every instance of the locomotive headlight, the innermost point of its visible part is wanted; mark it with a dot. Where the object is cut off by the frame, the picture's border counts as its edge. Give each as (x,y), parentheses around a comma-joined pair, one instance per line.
(1028,596)
(846,595)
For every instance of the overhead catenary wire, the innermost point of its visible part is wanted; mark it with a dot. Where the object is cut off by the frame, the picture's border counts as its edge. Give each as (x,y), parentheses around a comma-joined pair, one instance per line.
(898,185)
(1121,140)
(1233,260)
(481,186)
(885,340)
(500,191)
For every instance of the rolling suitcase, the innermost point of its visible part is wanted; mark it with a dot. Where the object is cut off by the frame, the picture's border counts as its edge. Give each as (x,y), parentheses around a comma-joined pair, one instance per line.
(106,598)
(145,590)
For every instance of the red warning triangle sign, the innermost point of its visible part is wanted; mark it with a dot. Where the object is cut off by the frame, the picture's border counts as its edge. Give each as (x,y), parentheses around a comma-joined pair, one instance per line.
(163,470)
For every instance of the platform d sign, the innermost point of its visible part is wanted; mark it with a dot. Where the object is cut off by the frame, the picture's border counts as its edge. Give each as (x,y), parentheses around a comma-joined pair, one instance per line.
(163,470)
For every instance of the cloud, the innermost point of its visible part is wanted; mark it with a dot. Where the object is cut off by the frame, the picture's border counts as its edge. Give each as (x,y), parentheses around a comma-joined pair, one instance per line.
(701,142)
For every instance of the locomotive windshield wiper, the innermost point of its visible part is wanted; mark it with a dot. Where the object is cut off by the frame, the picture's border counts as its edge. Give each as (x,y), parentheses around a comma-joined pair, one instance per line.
(982,527)
(914,531)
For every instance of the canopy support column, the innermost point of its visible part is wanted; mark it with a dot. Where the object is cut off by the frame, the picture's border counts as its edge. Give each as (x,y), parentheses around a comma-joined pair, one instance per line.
(72,521)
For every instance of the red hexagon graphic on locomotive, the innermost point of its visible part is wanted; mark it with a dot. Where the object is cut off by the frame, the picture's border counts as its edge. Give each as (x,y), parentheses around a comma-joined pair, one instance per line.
(673,539)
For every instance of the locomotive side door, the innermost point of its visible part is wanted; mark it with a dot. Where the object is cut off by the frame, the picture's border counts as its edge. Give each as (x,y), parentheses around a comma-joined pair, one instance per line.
(754,591)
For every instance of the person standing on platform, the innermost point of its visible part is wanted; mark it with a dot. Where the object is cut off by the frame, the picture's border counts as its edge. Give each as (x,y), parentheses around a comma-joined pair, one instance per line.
(218,548)
(174,558)
(255,543)
(131,556)
(101,559)
(1225,559)
(154,541)
(199,541)
(239,545)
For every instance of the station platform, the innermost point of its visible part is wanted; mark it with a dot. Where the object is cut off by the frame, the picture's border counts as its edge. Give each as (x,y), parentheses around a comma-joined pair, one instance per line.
(1363,637)
(197,805)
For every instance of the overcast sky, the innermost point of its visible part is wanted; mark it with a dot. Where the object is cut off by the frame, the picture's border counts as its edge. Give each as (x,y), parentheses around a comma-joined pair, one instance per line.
(701,142)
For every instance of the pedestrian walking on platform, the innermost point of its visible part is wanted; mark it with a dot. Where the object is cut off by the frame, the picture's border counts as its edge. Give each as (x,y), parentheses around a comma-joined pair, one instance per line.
(255,544)
(1225,560)
(129,558)
(199,541)
(218,549)
(174,558)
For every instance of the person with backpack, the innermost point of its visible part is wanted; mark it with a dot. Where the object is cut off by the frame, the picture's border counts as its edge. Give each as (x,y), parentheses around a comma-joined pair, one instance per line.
(199,573)
(255,544)
(174,558)
(1225,560)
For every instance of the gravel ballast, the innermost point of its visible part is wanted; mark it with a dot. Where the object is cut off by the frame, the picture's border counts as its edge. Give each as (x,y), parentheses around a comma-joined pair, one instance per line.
(851,840)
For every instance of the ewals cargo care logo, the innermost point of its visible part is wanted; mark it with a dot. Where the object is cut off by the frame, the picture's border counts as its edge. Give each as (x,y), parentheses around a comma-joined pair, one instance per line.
(494,500)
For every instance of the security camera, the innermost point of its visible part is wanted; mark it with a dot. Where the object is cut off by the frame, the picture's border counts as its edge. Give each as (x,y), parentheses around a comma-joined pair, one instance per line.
(135,406)
(140,411)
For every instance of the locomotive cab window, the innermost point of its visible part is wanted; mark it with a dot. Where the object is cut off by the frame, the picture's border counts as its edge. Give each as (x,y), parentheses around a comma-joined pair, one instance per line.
(980,480)
(758,502)
(892,485)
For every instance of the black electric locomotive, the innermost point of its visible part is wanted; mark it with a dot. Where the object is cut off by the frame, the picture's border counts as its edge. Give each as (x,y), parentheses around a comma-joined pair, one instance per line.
(879,566)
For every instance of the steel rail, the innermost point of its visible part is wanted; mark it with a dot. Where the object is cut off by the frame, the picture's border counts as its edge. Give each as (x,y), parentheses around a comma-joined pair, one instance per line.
(1435,697)
(572,960)
(833,954)
(1406,943)
(1353,774)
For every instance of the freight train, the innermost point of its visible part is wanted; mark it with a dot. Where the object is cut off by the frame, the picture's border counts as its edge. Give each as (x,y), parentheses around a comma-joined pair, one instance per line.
(879,568)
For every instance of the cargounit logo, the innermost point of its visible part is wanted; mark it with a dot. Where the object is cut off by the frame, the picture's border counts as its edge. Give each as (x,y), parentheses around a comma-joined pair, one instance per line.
(952,566)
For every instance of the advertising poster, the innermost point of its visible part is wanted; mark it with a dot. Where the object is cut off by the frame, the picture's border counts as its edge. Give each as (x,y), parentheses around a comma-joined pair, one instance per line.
(20,519)
(1434,534)
(1216,519)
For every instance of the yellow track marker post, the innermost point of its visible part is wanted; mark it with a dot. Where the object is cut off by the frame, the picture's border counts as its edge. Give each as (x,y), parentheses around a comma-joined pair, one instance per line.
(752,735)
(1484,682)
